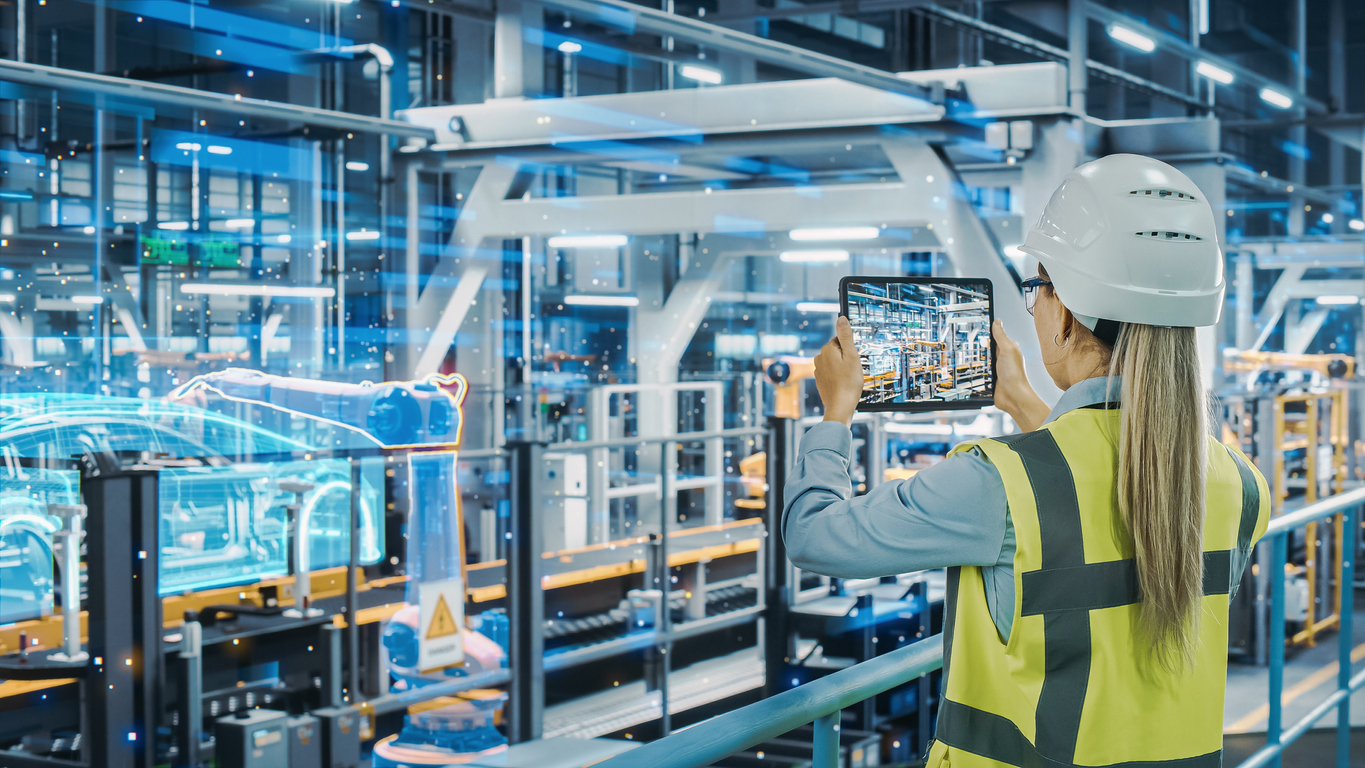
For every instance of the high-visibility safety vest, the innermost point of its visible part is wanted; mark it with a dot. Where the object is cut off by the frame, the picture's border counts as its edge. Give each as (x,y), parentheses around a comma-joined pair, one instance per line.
(1074,684)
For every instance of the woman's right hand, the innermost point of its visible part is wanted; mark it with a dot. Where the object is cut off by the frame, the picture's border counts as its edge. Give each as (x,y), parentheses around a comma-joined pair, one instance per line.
(1013,393)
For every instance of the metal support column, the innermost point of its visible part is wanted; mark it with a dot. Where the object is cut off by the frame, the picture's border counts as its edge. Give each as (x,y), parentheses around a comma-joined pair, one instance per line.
(1077,42)
(777,640)
(526,600)
(352,599)
(190,695)
(124,618)
(1347,613)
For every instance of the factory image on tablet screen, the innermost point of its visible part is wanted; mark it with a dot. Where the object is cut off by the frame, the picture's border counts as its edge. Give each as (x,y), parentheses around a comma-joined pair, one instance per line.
(922,342)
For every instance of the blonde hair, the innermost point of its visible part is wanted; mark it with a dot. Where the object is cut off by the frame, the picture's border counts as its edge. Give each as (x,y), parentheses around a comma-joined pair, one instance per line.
(1163,465)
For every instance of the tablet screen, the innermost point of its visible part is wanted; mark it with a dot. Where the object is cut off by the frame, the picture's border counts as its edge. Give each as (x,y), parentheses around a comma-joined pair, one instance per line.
(925,343)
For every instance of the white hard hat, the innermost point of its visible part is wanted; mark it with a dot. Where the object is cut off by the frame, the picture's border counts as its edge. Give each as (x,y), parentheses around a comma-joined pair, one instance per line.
(1130,239)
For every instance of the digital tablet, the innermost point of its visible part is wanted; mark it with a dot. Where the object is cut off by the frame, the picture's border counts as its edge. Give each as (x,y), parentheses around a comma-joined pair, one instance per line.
(925,342)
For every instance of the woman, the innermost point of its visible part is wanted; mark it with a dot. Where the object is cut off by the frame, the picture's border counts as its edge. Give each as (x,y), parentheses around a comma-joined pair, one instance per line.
(1092,558)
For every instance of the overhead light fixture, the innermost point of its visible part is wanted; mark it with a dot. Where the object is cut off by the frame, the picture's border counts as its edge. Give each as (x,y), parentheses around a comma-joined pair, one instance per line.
(175,226)
(356,165)
(189,146)
(87,300)
(1213,72)
(364,234)
(587,241)
(219,149)
(1335,301)
(284,238)
(1132,38)
(827,257)
(88,230)
(1276,99)
(1356,224)
(239,223)
(257,289)
(585,300)
(834,233)
(829,307)
(8,298)
(701,74)
(569,46)
(1328,218)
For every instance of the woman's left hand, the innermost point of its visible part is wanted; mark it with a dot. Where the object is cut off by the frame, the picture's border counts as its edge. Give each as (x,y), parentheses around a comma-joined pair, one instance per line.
(839,374)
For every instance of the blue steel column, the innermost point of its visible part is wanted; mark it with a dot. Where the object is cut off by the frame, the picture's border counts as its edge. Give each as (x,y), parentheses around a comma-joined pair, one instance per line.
(1346,636)
(1276,573)
(827,741)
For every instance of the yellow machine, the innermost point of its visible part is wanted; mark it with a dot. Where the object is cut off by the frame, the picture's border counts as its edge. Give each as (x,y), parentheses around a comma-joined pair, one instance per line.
(1331,366)
(786,373)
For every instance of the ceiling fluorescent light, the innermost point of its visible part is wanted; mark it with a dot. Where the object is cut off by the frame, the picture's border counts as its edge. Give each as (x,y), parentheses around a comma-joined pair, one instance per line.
(356,165)
(1338,300)
(829,307)
(189,146)
(834,233)
(569,46)
(583,300)
(364,234)
(174,225)
(701,74)
(1131,38)
(1356,224)
(239,223)
(8,298)
(1327,218)
(257,289)
(1213,72)
(814,256)
(587,241)
(219,149)
(1276,99)
(87,300)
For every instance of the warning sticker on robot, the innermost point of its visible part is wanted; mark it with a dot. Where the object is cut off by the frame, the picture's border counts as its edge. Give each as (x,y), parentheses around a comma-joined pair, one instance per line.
(442,615)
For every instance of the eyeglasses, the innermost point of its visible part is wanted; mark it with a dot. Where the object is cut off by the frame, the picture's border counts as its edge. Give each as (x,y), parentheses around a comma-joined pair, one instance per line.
(1031,287)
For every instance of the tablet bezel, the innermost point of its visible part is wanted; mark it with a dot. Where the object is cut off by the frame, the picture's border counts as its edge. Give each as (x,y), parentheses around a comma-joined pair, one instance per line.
(975,283)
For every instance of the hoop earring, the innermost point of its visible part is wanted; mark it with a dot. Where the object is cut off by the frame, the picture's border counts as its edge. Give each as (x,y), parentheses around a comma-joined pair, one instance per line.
(1060,344)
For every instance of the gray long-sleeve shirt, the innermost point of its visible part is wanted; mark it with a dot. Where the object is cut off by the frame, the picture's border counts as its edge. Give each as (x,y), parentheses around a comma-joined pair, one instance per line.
(953,513)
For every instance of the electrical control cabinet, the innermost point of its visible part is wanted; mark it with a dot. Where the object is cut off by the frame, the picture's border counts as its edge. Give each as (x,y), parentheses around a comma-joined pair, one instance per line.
(340,727)
(252,738)
(305,742)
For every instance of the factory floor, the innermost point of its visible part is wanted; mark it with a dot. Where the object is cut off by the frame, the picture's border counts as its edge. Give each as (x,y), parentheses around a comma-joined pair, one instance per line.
(1310,675)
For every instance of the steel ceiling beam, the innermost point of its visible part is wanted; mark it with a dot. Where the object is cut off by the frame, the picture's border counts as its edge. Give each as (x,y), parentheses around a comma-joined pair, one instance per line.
(631,18)
(188,98)
(1184,49)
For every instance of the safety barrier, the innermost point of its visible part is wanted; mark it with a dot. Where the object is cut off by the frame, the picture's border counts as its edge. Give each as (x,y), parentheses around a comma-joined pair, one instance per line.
(818,701)
(1277,536)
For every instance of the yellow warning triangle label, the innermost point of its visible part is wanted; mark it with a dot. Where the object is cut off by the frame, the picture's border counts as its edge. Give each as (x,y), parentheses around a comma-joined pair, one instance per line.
(442,623)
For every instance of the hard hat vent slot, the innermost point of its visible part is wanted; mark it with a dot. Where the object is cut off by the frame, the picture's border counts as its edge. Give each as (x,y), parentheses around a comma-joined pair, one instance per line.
(1153,234)
(1162,194)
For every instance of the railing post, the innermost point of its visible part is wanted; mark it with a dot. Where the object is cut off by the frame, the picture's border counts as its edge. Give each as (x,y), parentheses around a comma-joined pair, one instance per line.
(1279,555)
(1346,635)
(827,741)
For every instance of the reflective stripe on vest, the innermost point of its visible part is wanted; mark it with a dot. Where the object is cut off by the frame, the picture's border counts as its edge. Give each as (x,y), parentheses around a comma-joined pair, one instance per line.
(1063,592)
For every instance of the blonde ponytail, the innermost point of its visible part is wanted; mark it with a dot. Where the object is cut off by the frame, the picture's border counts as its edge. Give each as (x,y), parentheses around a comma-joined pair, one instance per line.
(1163,462)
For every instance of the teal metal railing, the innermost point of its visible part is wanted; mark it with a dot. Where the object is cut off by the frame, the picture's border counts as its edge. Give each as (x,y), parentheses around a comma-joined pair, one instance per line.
(818,701)
(1277,738)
